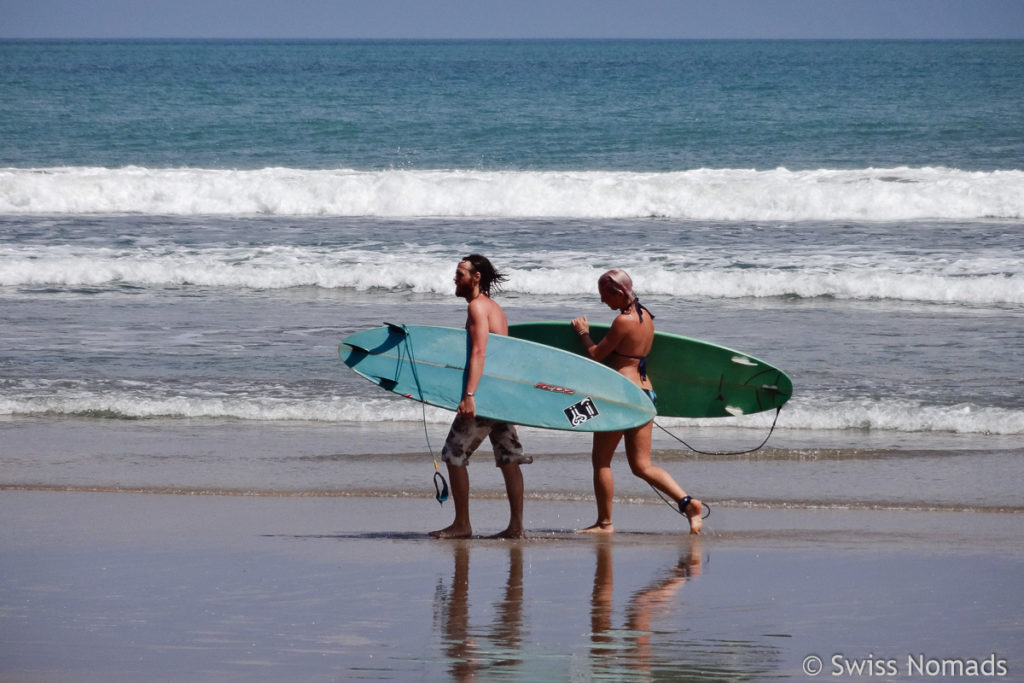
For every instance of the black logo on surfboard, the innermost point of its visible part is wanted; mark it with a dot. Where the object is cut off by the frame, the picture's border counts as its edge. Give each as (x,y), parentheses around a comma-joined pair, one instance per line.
(578,413)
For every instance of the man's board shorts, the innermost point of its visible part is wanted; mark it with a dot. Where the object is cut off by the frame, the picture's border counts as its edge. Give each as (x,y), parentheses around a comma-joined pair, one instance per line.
(467,434)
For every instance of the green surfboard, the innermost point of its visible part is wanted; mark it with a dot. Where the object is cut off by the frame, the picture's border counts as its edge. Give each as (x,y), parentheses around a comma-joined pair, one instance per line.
(523,382)
(692,378)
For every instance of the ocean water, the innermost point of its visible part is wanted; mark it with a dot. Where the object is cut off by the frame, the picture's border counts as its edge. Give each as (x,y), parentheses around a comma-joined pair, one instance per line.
(188,229)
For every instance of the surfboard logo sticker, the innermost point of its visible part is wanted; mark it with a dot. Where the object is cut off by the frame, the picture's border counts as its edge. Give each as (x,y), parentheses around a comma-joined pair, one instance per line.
(578,413)
(554,387)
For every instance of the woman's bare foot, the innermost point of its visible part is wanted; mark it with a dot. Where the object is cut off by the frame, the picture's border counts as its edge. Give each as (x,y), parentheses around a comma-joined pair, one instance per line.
(453,532)
(693,512)
(599,528)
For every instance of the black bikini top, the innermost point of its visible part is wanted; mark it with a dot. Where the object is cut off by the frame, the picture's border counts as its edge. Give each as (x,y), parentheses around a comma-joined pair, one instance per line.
(640,308)
(642,365)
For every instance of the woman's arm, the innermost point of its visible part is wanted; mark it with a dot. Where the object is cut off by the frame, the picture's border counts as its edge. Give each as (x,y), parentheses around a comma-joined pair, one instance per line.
(609,342)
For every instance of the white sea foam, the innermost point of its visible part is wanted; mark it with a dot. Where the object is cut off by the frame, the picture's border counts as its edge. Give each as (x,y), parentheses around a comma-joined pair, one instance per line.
(890,415)
(975,281)
(701,194)
(132,406)
(806,414)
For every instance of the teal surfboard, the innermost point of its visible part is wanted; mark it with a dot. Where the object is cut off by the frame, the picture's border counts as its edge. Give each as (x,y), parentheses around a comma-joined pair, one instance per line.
(692,378)
(523,382)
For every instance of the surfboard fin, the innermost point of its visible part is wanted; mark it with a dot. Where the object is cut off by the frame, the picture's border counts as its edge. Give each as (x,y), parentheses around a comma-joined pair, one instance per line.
(398,329)
(356,347)
(743,360)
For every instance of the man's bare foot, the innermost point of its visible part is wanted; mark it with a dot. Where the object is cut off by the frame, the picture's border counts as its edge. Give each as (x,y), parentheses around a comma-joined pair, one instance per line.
(453,532)
(599,528)
(693,515)
(510,533)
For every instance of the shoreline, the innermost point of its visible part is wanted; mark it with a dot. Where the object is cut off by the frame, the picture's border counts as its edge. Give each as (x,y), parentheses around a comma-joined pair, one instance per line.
(493,495)
(198,457)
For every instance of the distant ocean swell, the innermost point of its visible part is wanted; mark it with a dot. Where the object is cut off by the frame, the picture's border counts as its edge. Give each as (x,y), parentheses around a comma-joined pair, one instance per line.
(974,280)
(896,415)
(702,194)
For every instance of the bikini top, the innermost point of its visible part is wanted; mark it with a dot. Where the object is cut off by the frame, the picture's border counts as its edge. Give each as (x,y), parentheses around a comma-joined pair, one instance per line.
(640,308)
(642,365)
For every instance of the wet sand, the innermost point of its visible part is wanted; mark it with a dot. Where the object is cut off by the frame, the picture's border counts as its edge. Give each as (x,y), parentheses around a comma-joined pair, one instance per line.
(122,586)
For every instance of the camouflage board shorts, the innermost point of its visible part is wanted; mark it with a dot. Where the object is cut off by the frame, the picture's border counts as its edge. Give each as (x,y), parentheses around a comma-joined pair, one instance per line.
(467,434)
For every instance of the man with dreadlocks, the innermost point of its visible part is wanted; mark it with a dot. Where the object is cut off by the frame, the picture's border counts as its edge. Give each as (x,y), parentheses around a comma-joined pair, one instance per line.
(474,278)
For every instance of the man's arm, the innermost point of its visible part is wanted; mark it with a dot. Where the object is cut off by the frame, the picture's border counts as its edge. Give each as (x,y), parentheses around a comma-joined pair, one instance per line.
(478,328)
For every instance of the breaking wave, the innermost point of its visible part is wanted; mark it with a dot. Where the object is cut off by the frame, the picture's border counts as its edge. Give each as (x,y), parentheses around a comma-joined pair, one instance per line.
(702,194)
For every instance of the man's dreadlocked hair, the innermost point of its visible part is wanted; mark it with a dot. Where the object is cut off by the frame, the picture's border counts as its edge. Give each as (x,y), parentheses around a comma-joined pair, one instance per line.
(488,273)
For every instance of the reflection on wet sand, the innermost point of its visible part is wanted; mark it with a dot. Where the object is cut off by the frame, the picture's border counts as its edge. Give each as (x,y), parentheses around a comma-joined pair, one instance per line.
(634,648)
(500,645)
(646,633)
(470,651)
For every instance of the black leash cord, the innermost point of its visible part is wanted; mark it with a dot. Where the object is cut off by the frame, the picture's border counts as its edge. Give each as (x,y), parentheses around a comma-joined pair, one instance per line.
(751,450)
(675,506)
(441,490)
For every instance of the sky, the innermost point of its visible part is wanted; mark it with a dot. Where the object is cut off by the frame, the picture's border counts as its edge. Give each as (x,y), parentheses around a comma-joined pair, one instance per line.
(467,19)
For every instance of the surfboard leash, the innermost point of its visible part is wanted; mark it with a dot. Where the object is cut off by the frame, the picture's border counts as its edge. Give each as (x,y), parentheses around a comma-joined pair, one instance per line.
(707,508)
(440,483)
(751,450)
(681,509)
(440,490)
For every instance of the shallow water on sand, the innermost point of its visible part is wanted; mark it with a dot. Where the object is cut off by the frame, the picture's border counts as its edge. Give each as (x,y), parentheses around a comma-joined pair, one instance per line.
(310,459)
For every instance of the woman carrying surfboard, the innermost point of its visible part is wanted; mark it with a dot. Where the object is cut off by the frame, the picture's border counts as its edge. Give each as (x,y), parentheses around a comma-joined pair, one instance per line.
(625,348)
